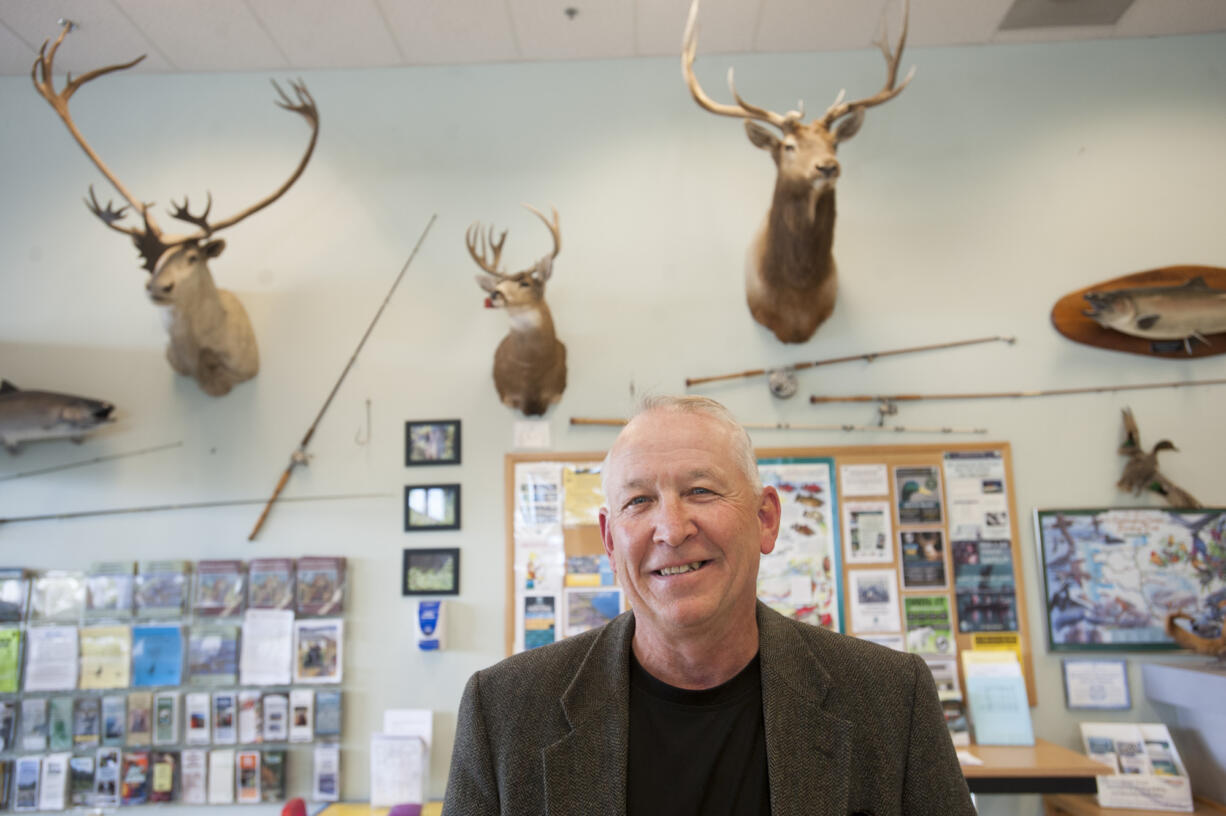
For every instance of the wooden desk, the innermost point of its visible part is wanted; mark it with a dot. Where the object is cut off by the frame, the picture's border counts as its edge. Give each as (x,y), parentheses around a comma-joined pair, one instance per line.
(1074,804)
(1042,768)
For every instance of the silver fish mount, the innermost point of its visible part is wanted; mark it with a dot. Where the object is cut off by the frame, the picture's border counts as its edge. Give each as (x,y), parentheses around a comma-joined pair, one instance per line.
(31,416)
(1175,311)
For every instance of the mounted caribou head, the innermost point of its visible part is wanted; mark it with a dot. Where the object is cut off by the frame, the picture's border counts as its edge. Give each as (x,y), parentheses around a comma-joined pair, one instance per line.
(530,363)
(210,336)
(790,277)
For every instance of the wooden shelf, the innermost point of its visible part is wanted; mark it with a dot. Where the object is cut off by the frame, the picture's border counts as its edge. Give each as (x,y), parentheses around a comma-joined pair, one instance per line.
(1069,804)
(1040,768)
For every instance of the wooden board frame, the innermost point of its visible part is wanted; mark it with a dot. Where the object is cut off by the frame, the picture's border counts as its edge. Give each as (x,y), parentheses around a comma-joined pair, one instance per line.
(890,455)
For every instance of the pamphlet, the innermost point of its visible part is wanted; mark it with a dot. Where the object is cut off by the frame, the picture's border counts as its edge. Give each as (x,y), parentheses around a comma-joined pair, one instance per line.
(195,762)
(221,776)
(134,779)
(225,730)
(54,786)
(106,778)
(114,713)
(162,784)
(267,647)
(327,713)
(8,724)
(51,658)
(249,716)
(27,774)
(321,585)
(212,655)
(10,659)
(57,595)
(157,655)
(59,723)
(302,715)
(109,588)
(161,589)
(14,591)
(197,706)
(247,764)
(166,718)
(80,780)
(996,696)
(106,657)
(34,724)
(220,589)
(140,718)
(270,583)
(319,649)
(86,722)
(272,776)
(276,718)
(326,779)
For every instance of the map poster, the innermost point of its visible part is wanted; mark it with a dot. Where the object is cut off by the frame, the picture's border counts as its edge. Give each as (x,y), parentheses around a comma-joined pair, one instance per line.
(800,578)
(1111,576)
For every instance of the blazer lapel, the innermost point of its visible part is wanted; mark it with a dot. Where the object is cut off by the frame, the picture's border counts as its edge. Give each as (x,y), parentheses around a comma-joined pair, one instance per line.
(807,748)
(585,771)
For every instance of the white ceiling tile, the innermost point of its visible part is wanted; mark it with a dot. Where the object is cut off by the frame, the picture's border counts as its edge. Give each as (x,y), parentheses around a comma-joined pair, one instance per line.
(463,31)
(104,35)
(221,35)
(328,34)
(822,25)
(724,26)
(953,22)
(602,29)
(1158,17)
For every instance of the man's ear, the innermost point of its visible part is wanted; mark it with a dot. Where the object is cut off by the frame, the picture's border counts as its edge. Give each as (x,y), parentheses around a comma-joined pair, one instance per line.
(606,534)
(769,513)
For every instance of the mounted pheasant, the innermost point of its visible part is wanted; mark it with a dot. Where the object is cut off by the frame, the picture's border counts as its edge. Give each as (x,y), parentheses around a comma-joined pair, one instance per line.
(211,338)
(530,363)
(790,274)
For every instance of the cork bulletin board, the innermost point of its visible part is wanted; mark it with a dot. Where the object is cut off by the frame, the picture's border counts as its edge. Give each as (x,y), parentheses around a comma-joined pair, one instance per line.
(912,546)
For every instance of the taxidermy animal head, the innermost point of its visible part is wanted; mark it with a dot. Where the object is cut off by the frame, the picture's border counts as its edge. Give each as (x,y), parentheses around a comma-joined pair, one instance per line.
(530,363)
(211,338)
(30,416)
(790,276)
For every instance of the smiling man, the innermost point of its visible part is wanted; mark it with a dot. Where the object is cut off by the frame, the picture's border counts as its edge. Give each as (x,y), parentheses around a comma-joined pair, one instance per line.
(701,700)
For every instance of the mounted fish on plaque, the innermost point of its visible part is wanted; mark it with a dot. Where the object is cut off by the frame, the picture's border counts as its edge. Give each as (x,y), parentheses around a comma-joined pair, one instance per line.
(1175,311)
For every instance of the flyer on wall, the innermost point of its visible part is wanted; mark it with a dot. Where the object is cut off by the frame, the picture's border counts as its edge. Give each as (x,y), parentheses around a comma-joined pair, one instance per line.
(922,554)
(975,491)
(929,629)
(540,621)
(864,480)
(874,601)
(538,498)
(867,533)
(918,494)
(984,587)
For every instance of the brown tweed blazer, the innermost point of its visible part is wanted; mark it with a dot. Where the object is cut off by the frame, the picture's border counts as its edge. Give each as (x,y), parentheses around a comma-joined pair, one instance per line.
(851,727)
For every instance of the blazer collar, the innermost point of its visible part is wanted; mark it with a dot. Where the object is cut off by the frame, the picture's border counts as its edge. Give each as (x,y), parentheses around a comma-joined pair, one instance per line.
(585,771)
(807,748)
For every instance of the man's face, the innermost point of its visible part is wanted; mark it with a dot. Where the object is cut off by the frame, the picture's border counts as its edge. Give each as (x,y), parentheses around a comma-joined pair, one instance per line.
(683,525)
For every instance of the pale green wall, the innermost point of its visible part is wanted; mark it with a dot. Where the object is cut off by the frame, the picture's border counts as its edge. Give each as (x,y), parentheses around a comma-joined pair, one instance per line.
(1002,179)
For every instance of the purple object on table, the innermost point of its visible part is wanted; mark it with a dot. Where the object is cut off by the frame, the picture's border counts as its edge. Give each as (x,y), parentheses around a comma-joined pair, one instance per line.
(405,810)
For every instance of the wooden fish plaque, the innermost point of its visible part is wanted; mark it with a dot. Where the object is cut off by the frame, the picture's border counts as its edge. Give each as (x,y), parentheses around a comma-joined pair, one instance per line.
(1175,311)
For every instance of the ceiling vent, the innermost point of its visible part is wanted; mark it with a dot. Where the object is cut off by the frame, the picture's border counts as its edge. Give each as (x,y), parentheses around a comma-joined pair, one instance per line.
(1054,13)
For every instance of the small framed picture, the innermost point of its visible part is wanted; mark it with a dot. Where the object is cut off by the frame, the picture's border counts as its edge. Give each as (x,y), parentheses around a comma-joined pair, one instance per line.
(431,507)
(431,572)
(432,442)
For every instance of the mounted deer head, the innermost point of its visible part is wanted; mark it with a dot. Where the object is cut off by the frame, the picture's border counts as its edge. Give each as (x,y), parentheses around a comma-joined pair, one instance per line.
(790,276)
(211,338)
(530,363)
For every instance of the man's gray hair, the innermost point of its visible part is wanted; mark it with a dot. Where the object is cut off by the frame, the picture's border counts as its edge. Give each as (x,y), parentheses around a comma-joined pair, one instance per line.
(742,445)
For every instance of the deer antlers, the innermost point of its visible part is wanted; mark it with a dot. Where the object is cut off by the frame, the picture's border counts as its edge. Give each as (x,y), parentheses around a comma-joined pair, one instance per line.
(791,119)
(150,239)
(481,242)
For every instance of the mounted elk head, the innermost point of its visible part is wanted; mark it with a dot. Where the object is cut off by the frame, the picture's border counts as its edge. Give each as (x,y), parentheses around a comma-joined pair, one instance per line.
(790,277)
(211,338)
(530,363)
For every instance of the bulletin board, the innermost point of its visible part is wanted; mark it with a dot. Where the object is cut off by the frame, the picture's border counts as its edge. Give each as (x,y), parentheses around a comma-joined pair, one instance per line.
(913,546)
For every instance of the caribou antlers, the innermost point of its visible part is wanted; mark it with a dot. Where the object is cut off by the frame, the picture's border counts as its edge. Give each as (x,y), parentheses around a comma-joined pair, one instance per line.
(210,336)
(790,274)
(530,363)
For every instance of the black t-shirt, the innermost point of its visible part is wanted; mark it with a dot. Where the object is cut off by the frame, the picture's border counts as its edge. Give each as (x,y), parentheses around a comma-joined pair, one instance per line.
(697,753)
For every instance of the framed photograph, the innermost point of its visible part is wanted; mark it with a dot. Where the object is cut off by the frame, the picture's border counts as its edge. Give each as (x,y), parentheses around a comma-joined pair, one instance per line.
(431,507)
(432,442)
(431,572)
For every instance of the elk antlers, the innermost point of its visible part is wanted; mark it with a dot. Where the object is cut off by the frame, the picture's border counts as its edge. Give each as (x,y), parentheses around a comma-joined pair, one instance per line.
(150,239)
(791,119)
